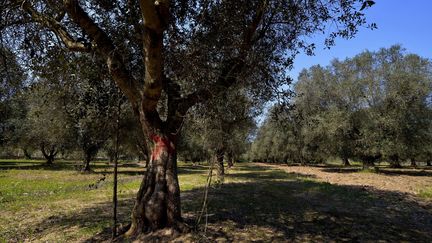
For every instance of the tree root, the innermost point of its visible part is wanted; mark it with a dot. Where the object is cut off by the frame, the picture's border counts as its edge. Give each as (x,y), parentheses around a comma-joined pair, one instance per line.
(162,235)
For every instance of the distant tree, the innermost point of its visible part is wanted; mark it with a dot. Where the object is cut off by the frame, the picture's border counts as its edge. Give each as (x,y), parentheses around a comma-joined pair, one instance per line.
(408,85)
(374,106)
(85,93)
(277,139)
(219,130)
(91,101)
(12,78)
(312,102)
(191,146)
(47,126)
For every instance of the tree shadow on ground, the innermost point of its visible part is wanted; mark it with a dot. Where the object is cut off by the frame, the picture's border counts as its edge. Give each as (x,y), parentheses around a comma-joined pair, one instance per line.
(133,172)
(66,165)
(341,169)
(95,218)
(192,169)
(408,172)
(278,206)
(31,165)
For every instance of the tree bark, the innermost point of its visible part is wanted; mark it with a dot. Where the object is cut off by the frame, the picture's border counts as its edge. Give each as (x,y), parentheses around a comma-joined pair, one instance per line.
(220,171)
(157,205)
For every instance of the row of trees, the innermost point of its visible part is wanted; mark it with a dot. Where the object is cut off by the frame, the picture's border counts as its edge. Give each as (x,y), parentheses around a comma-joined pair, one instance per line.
(218,132)
(65,106)
(68,107)
(376,106)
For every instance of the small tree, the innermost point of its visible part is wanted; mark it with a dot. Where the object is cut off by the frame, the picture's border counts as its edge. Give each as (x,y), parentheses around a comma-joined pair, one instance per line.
(47,126)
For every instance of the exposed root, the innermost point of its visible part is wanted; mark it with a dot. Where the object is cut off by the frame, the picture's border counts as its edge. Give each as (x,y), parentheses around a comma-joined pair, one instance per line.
(163,235)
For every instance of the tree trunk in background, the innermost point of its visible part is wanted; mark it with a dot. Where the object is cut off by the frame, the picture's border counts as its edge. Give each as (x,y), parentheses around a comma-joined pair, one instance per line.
(87,159)
(230,160)
(345,161)
(50,160)
(394,162)
(429,162)
(49,154)
(157,205)
(27,154)
(302,161)
(413,162)
(142,148)
(220,171)
(367,164)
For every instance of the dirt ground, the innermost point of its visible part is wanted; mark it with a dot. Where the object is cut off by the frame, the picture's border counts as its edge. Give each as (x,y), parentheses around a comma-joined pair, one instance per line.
(280,203)
(410,181)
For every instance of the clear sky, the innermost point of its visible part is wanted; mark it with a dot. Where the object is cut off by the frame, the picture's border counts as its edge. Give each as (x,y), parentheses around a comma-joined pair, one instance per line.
(405,22)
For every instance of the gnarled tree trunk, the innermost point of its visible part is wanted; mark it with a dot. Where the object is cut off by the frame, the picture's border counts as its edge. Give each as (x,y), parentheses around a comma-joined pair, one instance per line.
(157,205)
(49,154)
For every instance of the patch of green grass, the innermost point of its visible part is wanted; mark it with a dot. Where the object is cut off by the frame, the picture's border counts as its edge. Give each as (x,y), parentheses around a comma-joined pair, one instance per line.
(426,193)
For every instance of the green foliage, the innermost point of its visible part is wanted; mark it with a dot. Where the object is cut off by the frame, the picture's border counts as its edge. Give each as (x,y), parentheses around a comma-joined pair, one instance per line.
(217,126)
(46,125)
(12,77)
(374,106)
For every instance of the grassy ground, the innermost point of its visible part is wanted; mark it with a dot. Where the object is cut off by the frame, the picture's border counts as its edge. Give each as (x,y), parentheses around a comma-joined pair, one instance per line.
(256,203)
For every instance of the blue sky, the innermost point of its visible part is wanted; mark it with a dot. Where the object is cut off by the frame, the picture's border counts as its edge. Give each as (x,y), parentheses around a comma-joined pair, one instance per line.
(405,22)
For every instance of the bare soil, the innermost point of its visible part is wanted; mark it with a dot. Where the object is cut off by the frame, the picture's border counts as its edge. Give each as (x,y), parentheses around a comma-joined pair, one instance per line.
(405,180)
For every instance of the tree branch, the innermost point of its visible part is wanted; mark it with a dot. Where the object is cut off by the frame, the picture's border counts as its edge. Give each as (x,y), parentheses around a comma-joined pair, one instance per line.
(231,68)
(155,16)
(127,83)
(57,28)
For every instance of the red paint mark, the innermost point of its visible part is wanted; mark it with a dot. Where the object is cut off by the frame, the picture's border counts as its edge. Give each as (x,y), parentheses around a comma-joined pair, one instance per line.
(161,144)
